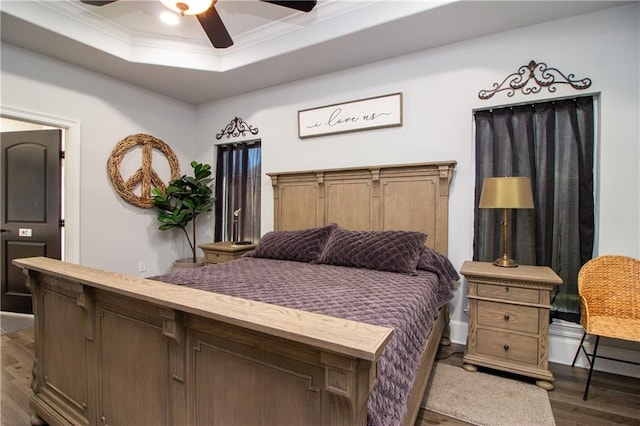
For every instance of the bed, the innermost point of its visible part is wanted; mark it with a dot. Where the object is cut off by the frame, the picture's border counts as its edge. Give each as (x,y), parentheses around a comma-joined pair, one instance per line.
(117,350)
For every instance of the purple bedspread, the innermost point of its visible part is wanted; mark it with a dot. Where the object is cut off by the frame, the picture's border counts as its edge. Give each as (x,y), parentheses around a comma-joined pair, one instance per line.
(407,304)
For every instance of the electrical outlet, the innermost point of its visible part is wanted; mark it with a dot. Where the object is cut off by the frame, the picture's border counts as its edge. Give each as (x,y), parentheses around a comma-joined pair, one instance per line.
(142,266)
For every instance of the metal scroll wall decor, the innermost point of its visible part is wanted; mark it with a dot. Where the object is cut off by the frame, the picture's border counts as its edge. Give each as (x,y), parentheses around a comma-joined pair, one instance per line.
(145,177)
(532,78)
(237,127)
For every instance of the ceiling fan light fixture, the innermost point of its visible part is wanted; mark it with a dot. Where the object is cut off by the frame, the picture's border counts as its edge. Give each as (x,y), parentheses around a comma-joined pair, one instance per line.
(188,7)
(208,16)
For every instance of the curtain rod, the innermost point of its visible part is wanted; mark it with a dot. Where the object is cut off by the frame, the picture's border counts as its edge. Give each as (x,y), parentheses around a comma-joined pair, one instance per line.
(533,104)
(248,143)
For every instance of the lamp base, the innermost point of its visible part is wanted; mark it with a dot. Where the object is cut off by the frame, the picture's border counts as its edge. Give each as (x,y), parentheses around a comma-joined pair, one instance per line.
(505,262)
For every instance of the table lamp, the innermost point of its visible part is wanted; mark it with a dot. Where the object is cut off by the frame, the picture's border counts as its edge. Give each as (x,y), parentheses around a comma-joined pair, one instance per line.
(506,193)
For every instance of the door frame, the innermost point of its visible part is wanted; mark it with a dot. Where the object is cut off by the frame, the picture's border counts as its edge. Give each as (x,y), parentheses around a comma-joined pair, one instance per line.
(71,173)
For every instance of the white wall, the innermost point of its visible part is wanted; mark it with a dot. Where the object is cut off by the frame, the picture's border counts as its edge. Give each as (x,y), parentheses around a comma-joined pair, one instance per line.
(440,88)
(113,234)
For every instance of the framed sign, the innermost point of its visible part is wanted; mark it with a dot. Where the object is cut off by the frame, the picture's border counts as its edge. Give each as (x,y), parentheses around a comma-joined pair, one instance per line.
(363,114)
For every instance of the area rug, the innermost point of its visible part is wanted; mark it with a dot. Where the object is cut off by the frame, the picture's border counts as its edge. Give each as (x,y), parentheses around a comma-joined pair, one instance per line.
(485,399)
(11,322)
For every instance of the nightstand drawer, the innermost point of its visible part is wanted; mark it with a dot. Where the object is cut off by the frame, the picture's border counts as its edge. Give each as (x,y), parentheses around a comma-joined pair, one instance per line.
(218,257)
(512,347)
(508,317)
(509,293)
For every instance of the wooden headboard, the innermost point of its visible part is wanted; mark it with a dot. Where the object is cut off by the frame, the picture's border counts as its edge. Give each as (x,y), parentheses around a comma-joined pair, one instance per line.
(411,197)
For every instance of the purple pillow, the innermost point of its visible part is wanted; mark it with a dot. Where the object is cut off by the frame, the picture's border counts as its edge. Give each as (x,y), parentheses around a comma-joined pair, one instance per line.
(395,251)
(301,246)
(433,261)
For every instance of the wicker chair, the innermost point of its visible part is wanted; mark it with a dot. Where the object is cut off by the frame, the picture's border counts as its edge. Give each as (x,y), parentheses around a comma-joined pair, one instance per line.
(609,289)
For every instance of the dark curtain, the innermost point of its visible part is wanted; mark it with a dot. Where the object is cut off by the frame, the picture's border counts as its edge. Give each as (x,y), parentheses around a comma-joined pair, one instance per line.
(238,172)
(552,143)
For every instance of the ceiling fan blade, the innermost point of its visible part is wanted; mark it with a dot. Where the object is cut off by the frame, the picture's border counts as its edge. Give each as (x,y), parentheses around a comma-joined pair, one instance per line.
(214,28)
(301,5)
(98,2)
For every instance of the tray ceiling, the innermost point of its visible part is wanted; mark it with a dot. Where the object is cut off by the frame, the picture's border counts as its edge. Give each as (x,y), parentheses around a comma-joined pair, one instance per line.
(273,45)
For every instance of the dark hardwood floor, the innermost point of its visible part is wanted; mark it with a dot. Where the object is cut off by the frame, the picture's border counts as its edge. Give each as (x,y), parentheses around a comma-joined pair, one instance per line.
(16,353)
(613,399)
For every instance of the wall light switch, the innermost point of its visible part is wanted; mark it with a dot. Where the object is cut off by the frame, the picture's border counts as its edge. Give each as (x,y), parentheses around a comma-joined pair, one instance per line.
(142,266)
(24,232)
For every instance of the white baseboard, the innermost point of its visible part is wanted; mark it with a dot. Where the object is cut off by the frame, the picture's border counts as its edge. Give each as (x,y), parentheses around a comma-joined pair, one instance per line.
(458,331)
(564,339)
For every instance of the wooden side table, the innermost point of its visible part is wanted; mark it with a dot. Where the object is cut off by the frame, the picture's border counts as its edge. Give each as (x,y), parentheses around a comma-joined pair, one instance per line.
(509,319)
(224,251)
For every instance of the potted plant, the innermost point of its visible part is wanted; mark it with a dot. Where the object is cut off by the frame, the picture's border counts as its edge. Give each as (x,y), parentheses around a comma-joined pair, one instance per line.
(183,201)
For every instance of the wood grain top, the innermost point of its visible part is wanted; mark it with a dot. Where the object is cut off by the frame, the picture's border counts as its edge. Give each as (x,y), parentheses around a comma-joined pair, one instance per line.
(331,334)
(529,273)
(227,246)
(434,166)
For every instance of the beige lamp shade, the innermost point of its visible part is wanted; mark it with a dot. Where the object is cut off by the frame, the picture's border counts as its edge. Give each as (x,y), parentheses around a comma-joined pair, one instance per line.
(506,193)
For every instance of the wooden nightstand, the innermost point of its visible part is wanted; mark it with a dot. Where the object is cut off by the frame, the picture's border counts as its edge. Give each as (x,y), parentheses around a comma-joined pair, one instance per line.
(224,251)
(509,319)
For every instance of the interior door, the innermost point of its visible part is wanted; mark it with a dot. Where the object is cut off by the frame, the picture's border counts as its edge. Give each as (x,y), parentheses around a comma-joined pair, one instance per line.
(30,214)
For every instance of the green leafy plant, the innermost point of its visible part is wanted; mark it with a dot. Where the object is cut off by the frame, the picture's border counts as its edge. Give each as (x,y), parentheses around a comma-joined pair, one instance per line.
(184,200)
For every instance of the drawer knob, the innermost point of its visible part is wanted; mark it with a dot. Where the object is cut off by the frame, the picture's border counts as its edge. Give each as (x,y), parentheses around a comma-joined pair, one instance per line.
(506,347)
(506,317)
(506,289)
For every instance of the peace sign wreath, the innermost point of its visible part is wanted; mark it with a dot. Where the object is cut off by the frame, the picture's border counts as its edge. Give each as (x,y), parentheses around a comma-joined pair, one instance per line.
(145,176)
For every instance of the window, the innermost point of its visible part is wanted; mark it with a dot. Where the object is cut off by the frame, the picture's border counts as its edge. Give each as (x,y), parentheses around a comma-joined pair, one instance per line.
(238,191)
(553,144)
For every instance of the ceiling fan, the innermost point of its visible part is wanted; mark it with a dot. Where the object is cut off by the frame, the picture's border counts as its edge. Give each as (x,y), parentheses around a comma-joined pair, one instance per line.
(209,19)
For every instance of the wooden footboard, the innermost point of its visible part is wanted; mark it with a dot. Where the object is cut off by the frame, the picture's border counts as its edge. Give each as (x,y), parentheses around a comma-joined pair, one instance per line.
(119,350)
